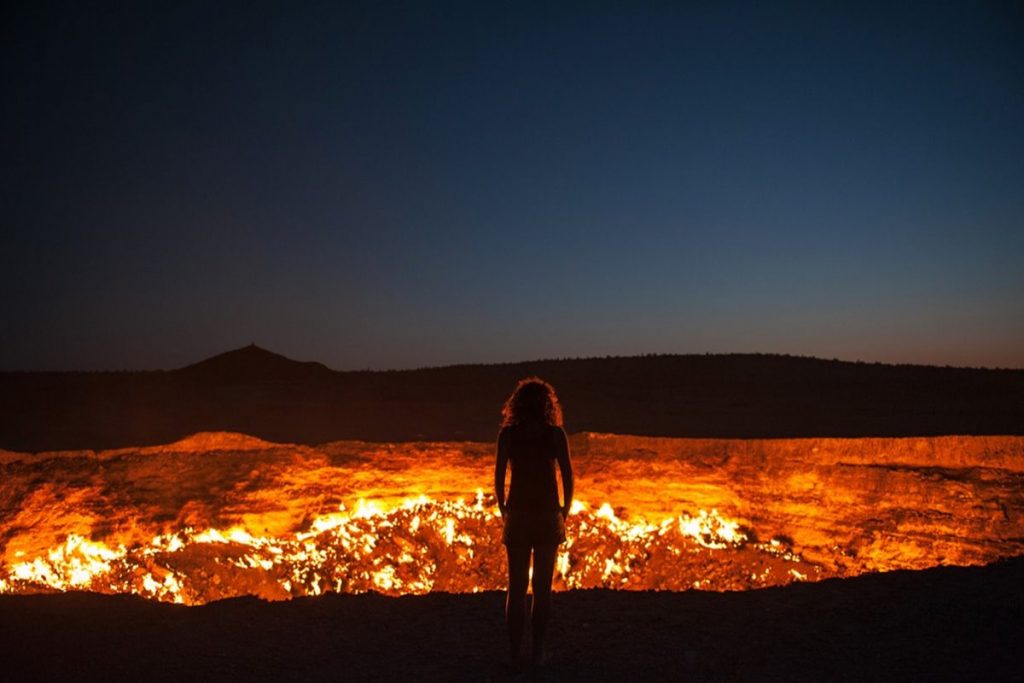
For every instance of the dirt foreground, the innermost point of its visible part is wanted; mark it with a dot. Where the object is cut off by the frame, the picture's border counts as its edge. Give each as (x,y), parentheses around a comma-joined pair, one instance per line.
(948,623)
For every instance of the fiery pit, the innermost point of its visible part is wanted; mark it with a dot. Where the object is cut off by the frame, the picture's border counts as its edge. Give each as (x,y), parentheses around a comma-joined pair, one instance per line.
(222,515)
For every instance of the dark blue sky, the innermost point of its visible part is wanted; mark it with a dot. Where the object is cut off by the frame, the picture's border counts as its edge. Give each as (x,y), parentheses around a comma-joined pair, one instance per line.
(386,185)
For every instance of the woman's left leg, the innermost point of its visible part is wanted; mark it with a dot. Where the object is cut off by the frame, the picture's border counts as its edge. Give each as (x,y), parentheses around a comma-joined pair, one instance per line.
(543,571)
(515,599)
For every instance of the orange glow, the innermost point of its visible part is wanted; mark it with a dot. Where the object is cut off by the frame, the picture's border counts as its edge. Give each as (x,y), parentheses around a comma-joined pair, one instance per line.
(416,547)
(218,516)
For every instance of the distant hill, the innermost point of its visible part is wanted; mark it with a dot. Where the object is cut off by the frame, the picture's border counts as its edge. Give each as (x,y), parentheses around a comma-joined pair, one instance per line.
(263,394)
(251,363)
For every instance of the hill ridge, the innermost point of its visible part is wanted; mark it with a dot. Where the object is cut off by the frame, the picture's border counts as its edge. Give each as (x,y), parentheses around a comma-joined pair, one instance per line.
(253,351)
(251,361)
(269,396)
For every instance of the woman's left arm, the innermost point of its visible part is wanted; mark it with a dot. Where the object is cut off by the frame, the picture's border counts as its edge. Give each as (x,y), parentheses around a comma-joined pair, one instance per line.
(565,465)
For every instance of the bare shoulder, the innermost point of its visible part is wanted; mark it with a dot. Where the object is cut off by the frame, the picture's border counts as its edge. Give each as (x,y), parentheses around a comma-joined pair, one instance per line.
(504,434)
(558,434)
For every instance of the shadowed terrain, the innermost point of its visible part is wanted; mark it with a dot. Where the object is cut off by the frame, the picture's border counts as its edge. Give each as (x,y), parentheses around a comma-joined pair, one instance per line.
(256,392)
(947,623)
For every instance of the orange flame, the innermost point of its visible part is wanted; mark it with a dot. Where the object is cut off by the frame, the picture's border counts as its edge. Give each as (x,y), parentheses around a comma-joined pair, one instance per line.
(223,515)
(418,546)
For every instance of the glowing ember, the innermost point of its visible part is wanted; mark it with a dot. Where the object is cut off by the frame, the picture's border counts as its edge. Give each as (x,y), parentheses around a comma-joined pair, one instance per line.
(190,525)
(419,546)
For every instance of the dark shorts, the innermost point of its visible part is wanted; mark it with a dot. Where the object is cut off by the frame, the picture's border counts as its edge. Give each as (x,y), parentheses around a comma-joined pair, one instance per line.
(533,528)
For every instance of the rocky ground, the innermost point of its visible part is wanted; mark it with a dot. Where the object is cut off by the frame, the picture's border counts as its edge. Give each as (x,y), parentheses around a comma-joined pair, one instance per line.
(946,623)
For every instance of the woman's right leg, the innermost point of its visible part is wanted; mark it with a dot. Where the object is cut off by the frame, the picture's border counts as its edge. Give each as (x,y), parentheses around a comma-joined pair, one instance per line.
(515,599)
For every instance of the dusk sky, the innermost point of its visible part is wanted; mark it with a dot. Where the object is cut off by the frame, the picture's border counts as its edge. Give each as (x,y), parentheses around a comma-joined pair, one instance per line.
(385,185)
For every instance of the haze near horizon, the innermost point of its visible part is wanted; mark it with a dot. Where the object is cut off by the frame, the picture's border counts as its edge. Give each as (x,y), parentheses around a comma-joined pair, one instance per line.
(387,186)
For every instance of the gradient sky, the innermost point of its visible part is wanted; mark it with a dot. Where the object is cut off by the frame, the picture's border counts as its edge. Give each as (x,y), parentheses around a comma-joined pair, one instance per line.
(392,185)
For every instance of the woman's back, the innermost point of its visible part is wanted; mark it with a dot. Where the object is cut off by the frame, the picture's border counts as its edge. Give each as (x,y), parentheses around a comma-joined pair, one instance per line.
(532,452)
(533,442)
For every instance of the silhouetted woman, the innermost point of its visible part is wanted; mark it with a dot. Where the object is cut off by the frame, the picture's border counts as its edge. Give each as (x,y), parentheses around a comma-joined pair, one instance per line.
(532,441)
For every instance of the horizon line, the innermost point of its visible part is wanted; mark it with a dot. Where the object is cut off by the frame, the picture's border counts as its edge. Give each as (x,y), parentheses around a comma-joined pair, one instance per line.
(551,359)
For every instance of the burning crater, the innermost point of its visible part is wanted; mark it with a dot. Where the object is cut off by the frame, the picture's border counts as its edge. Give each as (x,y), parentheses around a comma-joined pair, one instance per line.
(221,515)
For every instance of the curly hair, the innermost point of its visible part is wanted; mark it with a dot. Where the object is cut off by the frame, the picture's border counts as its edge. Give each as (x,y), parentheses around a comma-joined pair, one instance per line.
(532,397)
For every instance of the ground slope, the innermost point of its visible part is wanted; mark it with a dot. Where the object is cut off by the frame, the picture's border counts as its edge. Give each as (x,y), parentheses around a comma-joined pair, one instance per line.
(939,624)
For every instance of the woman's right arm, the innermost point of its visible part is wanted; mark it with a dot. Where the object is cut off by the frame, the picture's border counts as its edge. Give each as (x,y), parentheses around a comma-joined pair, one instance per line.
(500,466)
